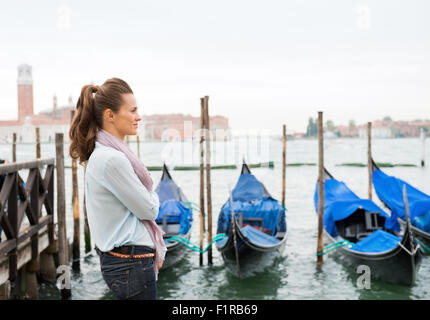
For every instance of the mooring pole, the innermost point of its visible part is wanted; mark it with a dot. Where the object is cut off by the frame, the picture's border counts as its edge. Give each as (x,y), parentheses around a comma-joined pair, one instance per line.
(138,146)
(208,177)
(202,178)
(233,228)
(423,143)
(76,219)
(409,229)
(28,272)
(61,217)
(284,161)
(14,147)
(87,234)
(38,143)
(320,189)
(369,157)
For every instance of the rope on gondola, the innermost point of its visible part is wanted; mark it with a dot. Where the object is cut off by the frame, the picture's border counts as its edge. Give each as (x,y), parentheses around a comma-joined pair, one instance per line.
(285,209)
(194,247)
(334,246)
(193,206)
(422,245)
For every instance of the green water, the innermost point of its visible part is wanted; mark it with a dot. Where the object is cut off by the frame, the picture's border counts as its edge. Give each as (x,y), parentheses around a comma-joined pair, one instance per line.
(294,274)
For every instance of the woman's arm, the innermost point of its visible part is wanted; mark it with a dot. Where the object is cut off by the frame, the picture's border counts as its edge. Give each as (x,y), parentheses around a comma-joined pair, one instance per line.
(122,181)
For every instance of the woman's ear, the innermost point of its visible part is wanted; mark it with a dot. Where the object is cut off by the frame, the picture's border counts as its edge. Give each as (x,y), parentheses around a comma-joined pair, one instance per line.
(108,115)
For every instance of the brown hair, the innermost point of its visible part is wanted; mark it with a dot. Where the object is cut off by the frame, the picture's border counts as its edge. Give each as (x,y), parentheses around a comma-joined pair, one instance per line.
(88,118)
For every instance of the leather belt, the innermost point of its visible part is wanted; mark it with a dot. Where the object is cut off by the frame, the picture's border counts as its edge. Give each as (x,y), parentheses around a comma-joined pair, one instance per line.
(126,252)
(135,256)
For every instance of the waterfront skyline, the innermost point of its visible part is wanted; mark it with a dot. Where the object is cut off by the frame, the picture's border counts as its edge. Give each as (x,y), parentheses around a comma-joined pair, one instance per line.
(271,64)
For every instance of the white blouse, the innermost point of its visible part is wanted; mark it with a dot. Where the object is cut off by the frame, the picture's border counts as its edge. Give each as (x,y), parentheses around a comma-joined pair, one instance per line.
(116,200)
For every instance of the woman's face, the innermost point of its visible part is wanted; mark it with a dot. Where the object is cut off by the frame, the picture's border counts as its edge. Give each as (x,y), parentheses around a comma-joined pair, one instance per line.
(126,120)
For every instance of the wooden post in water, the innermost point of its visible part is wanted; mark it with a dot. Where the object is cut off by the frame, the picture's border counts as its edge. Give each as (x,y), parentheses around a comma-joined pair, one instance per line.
(202,178)
(284,161)
(320,189)
(76,219)
(14,147)
(61,216)
(87,234)
(423,143)
(138,146)
(208,177)
(34,265)
(37,143)
(369,157)
(27,277)
(76,254)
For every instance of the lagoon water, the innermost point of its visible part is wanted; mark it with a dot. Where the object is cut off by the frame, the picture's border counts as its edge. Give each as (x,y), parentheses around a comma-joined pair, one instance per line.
(294,275)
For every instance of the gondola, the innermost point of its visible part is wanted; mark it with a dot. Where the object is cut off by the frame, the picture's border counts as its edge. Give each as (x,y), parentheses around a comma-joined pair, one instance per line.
(370,235)
(174,217)
(256,234)
(389,191)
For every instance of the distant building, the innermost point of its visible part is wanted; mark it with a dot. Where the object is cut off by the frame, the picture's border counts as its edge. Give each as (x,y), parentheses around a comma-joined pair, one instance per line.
(380,129)
(49,122)
(57,120)
(169,127)
(392,129)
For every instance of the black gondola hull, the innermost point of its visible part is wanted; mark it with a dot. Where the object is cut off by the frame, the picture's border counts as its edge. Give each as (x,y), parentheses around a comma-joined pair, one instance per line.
(394,266)
(421,235)
(175,251)
(252,257)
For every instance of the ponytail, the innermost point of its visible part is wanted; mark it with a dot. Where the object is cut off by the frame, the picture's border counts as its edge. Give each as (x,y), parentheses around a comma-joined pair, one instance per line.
(88,118)
(84,126)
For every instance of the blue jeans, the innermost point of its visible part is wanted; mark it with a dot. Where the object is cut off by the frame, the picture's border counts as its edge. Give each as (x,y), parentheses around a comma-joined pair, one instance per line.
(130,279)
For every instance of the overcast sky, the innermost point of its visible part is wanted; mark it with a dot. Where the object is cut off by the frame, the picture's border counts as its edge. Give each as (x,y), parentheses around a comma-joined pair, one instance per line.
(262,63)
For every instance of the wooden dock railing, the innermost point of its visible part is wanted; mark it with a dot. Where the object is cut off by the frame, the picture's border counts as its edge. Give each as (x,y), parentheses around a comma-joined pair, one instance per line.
(20,252)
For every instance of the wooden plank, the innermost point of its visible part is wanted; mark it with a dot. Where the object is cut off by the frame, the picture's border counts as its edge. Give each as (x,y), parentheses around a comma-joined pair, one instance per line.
(6,246)
(15,167)
(25,251)
(6,189)
(32,230)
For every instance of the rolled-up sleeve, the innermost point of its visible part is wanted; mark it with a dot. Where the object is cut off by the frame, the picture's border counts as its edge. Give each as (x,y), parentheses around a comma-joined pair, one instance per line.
(120,178)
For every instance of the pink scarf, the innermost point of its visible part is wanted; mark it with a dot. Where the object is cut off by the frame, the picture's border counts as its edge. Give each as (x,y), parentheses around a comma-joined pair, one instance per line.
(109,140)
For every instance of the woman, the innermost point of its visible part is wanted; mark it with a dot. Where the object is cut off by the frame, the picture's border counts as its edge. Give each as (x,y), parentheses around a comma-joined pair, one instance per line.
(121,205)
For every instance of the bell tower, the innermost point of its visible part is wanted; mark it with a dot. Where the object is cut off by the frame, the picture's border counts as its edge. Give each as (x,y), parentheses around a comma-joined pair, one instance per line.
(25,92)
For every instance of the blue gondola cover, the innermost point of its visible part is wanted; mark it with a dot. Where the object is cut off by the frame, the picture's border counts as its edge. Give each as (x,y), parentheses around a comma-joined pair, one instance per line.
(378,241)
(340,202)
(252,199)
(171,203)
(390,190)
(258,237)
(180,214)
